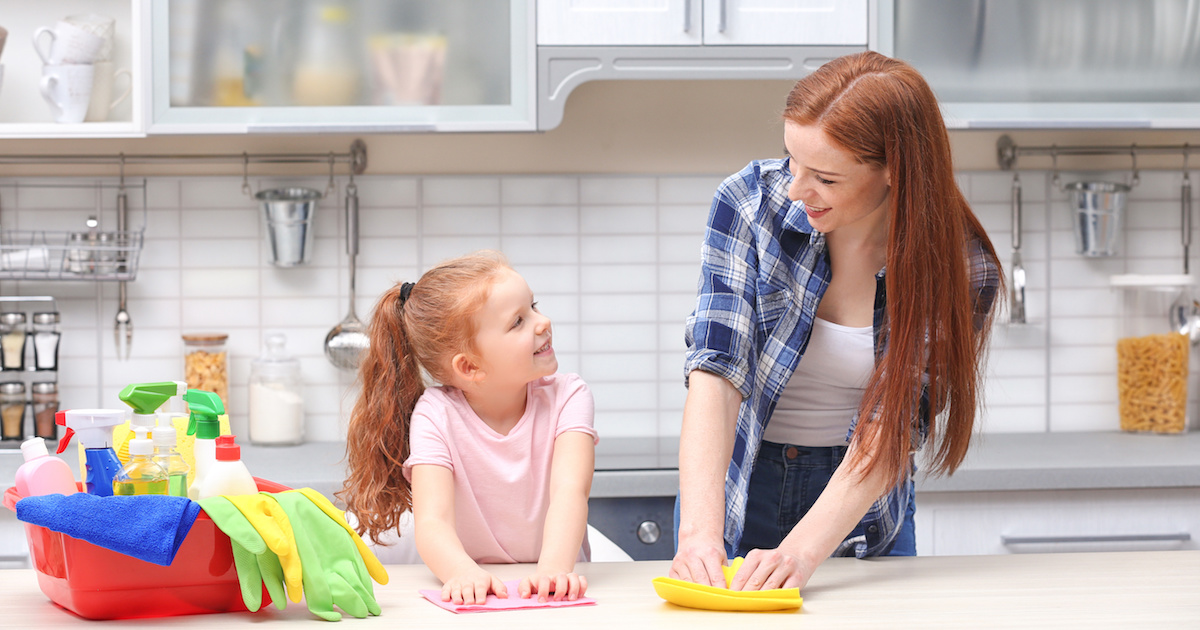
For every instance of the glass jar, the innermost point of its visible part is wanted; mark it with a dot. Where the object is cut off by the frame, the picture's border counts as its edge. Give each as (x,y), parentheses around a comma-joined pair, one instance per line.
(206,364)
(1152,353)
(12,410)
(45,405)
(276,402)
(45,340)
(12,341)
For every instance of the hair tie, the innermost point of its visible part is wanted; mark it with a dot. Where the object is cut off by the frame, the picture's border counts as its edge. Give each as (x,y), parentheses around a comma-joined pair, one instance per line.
(405,289)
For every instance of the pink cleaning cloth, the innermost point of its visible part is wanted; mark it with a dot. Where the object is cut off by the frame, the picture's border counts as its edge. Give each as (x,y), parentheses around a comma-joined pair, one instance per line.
(493,603)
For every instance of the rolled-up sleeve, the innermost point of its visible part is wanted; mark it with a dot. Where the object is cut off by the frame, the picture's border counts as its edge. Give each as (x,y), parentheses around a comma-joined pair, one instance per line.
(719,332)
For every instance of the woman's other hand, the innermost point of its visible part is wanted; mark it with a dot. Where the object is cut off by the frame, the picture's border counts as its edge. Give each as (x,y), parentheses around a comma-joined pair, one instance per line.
(553,586)
(473,587)
(699,562)
(765,569)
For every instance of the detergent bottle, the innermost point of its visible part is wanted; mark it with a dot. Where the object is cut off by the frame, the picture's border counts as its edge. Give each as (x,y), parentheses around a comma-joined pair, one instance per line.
(145,399)
(41,473)
(142,475)
(228,475)
(166,455)
(204,422)
(95,430)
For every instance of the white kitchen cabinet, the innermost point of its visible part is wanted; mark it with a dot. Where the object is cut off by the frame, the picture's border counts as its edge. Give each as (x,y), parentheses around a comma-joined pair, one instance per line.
(1055,521)
(702,22)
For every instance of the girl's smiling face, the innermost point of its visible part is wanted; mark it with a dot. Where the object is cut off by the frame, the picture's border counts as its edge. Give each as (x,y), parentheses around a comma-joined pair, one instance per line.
(836,189)
(513,338)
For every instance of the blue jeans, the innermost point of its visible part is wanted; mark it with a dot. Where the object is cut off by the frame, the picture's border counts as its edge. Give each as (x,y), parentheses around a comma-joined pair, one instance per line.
(787,480)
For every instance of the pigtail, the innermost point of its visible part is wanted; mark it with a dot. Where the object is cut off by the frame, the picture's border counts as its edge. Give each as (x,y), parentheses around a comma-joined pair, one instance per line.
(375,489)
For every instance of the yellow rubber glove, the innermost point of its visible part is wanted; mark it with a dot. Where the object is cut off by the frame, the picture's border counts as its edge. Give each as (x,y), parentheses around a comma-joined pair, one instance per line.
(374,567)
(273,525)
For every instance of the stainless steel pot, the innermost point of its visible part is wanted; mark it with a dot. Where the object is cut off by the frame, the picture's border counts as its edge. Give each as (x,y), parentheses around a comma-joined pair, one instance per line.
(1097,209)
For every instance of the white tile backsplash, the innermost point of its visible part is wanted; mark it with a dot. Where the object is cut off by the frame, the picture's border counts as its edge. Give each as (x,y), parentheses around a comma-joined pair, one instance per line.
(612,259)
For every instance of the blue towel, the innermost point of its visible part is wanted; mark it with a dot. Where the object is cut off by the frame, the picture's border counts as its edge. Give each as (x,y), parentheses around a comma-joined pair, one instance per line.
(147,527)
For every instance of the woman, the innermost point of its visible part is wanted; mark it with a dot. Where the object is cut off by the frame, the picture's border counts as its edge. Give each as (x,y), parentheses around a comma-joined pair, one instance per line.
(844,307)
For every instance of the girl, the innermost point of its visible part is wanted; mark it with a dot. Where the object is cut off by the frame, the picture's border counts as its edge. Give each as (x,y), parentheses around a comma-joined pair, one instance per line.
(845,302)
(496,462)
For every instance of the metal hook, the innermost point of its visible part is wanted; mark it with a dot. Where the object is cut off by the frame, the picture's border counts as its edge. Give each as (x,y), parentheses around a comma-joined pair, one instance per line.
(1137,178)
(246,189)
(329,188)
(1055,180)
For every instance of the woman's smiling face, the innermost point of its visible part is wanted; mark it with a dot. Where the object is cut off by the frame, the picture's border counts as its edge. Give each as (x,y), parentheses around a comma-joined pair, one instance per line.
(836,189)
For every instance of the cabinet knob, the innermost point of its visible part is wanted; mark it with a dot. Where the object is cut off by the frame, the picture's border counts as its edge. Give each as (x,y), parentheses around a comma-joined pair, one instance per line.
(649,532)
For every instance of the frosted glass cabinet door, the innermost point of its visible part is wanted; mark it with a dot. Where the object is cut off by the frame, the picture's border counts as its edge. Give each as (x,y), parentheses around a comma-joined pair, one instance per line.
(785,22)
(619,22)
(229,66)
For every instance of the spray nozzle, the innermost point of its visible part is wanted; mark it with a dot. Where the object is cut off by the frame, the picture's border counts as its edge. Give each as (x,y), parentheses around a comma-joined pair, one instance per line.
(205,407)
(94,426)
(145,398)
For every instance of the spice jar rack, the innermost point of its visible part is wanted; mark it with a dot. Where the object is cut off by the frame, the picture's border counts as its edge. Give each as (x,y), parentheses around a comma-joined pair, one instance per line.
(87,254)
(29,341)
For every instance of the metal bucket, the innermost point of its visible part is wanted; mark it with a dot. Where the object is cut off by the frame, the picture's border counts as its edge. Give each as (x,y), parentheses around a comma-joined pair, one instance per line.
(289,214)
(1097,209)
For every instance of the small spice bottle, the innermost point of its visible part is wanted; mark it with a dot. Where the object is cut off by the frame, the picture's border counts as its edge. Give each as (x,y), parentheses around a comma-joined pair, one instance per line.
(12,341)
(12,410)
(45,405)
(45,340)
(206,364)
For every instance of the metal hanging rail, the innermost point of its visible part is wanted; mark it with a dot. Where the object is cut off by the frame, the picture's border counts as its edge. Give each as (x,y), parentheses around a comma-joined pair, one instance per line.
(1008,151)
(356,158)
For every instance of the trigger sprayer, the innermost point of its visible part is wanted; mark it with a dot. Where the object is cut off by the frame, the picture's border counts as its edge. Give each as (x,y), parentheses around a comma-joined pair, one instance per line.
(145,399)
(204,422)
(95,430)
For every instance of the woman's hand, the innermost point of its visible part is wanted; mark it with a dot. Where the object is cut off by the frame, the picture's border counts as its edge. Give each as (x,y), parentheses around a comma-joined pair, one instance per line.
(699,561)
(553,586)
(765,569)
(473,587)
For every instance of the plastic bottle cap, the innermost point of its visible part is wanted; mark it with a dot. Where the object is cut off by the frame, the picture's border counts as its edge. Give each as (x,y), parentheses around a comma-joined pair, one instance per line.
(227,449)
(34,448)
(164,436)
(141,445)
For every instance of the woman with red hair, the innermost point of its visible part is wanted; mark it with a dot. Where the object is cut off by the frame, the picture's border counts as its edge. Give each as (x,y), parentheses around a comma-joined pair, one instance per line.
(845,304)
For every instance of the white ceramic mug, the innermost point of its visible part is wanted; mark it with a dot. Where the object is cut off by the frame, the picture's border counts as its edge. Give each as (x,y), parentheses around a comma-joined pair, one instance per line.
(102,89)
(99,25)
(69,45)
(68,90)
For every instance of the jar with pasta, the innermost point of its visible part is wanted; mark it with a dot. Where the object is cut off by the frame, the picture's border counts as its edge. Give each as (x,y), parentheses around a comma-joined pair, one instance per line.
(1152,353)
(206,363)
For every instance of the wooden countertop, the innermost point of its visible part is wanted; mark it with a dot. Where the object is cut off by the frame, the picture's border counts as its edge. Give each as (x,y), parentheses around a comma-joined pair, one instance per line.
(1092,590)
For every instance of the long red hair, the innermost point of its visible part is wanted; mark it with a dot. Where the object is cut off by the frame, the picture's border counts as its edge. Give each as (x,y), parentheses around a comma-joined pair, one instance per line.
(423,332)
(884,113)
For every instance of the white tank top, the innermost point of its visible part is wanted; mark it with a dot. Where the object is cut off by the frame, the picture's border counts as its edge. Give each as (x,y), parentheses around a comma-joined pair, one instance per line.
(820,400)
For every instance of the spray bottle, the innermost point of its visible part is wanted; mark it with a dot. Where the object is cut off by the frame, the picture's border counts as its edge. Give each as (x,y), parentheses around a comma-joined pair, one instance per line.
(228,475)
(168,457)
(142,475)
(145,399)
(95,429)
(204,423)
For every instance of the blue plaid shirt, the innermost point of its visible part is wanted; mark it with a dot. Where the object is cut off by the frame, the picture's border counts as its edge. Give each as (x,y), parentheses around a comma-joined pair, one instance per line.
(761,259)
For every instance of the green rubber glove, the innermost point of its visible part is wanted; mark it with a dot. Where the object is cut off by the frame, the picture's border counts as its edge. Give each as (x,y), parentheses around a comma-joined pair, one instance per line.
(256,564)
(334,571)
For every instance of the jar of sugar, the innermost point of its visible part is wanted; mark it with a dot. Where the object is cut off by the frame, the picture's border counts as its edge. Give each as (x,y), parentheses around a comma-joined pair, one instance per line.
(276,402)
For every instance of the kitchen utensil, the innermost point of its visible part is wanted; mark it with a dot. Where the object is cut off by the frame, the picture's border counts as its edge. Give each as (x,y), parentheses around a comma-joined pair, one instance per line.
(1016,309)
(68,90)
(69,44)
(345,344)
(1097,207)
(289,213)
(101,26)
(102,91)
(123,325)
(1185,310)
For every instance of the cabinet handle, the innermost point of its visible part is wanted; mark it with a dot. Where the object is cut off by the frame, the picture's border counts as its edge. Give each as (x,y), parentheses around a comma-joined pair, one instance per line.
(687,16)
(1050,540)
(721,17)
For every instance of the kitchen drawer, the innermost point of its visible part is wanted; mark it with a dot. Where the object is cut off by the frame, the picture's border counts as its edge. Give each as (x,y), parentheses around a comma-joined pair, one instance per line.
(955,523)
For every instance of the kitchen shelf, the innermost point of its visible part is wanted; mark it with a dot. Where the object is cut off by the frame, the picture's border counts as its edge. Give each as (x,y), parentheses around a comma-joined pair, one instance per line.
(55,255)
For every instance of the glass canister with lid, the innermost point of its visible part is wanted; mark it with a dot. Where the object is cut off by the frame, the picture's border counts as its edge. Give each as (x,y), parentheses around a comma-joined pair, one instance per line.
(1152,353)
(206,363)
(12,340)
(276,401)
(45,340)
(12,410)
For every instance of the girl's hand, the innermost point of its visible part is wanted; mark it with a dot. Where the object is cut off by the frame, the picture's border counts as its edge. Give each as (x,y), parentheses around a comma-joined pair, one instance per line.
(553,586)
(765,569)
(473,587)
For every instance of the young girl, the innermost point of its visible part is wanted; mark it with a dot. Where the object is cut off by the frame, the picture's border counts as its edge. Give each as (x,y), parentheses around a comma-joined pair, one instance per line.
(496,462)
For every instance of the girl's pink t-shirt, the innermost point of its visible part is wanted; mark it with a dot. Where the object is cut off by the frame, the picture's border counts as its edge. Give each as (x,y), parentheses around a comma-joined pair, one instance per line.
(501,482)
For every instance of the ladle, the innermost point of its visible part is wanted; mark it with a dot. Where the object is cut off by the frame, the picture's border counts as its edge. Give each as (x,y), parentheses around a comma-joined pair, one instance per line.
(1185,310)
(346,342)
(1016,307)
